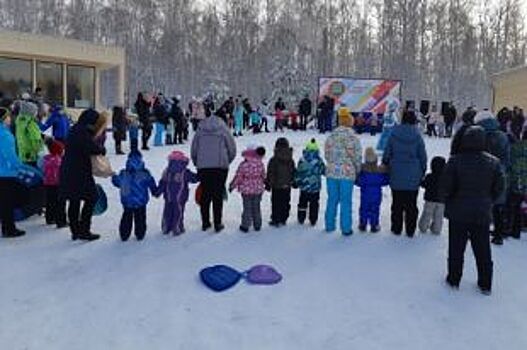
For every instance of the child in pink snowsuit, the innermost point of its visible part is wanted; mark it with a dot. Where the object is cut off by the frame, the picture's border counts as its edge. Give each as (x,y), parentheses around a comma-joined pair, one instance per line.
(55,207)
(174,185)
(250,182)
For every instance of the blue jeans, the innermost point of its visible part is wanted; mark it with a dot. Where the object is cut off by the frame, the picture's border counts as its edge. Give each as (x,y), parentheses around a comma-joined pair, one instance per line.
(340,191)
(159,130)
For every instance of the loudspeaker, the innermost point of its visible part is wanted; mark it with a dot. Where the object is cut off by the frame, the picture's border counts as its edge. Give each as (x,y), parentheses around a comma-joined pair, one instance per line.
(424,108)
(445,107)
(410,104)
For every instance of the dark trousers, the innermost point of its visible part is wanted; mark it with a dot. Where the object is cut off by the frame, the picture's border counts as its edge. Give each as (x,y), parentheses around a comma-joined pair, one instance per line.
(308,202)
(280,205)
(263,124)
(404,210)
(80,219)
(448,129)
(8,202)
(147,132)
(499,217)
(304,119)
(515,214)
(55,207)
(213,182)
(431,130)
(133,217)
(458,236)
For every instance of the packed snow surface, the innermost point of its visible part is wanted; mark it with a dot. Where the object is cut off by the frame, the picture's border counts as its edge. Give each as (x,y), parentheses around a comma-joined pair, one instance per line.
(368,291)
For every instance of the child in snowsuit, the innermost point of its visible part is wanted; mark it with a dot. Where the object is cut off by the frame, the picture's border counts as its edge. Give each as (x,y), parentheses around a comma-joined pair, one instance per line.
(256,122)
(372,178)
(174,185)
(134,183)
(434,211)
(55,207)
(308,178)
(280,178)
(250,182)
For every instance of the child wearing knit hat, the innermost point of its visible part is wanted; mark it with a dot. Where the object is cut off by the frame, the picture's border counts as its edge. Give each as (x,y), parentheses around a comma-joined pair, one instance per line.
(174,186)
(308,178)
(134,182)
(371,179)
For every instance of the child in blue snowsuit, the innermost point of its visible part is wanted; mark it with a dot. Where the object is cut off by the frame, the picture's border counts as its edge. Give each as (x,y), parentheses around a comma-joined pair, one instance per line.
(308,178)
(134,183)
(59,123)
(174,185)
(371,180)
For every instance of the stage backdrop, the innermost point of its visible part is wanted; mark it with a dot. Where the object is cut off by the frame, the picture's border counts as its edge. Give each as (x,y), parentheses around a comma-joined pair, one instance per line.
(360,95)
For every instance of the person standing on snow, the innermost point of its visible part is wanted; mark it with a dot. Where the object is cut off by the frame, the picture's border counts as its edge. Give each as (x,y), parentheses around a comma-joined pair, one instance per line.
(343,153)
(213,150)
(405,156)
(472,181)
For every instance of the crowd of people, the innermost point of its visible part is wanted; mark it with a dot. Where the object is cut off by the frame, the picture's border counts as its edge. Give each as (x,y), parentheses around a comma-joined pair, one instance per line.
(483,183)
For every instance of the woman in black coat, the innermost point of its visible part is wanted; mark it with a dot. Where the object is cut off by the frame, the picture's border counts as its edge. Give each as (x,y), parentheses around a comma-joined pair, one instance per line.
(120,124)
(76,178)
(142,108)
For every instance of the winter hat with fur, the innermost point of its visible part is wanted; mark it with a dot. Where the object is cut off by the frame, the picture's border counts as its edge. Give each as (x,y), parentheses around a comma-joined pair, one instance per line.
(370,156)
(177,155)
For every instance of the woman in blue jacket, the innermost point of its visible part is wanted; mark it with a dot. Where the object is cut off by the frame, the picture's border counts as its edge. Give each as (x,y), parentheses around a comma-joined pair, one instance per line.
(405,156)
(9,169)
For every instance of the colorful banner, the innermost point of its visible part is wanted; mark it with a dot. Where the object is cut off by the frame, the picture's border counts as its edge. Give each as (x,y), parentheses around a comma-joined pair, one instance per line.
(360,95)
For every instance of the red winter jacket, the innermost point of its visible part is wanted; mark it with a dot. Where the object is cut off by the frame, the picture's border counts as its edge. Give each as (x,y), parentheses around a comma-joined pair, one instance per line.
(250,176)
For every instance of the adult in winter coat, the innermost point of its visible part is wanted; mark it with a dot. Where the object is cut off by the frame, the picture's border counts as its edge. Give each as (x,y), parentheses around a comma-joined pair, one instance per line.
(213,150)
(308,178)
(518,185)
(142,107)
(498,145)
(471,183)
(305,110)
(450,118)
(504,117)
(325,114)
(517,123)
(134,183)
(467,120)
(177,115)
(280,179)
(119,126)
(161,120)
(28,134)
(405,157)
(343,153)
(77,183)
(10,166)
(174,186)
(59,123)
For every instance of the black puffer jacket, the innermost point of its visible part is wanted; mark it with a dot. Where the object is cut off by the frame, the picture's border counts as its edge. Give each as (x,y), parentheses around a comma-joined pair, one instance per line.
(472,181)
(76,176)
(281,168)
(432,181)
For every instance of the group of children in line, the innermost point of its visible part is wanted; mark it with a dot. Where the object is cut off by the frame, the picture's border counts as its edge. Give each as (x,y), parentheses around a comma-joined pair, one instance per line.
(251,180)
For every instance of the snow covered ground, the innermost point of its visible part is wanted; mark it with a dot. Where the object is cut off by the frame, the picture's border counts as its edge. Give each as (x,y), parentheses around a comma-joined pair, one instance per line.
(363,292)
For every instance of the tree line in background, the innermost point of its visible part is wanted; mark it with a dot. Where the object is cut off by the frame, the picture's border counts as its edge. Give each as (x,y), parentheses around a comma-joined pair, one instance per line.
(441,49)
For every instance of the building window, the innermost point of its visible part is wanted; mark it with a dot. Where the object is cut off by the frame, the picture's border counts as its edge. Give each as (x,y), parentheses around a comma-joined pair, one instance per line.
(81,87)
(15,78)
(49,79)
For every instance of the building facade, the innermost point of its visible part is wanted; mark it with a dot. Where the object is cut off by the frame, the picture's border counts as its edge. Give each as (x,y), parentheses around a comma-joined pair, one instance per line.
(67,71)
(510,88)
